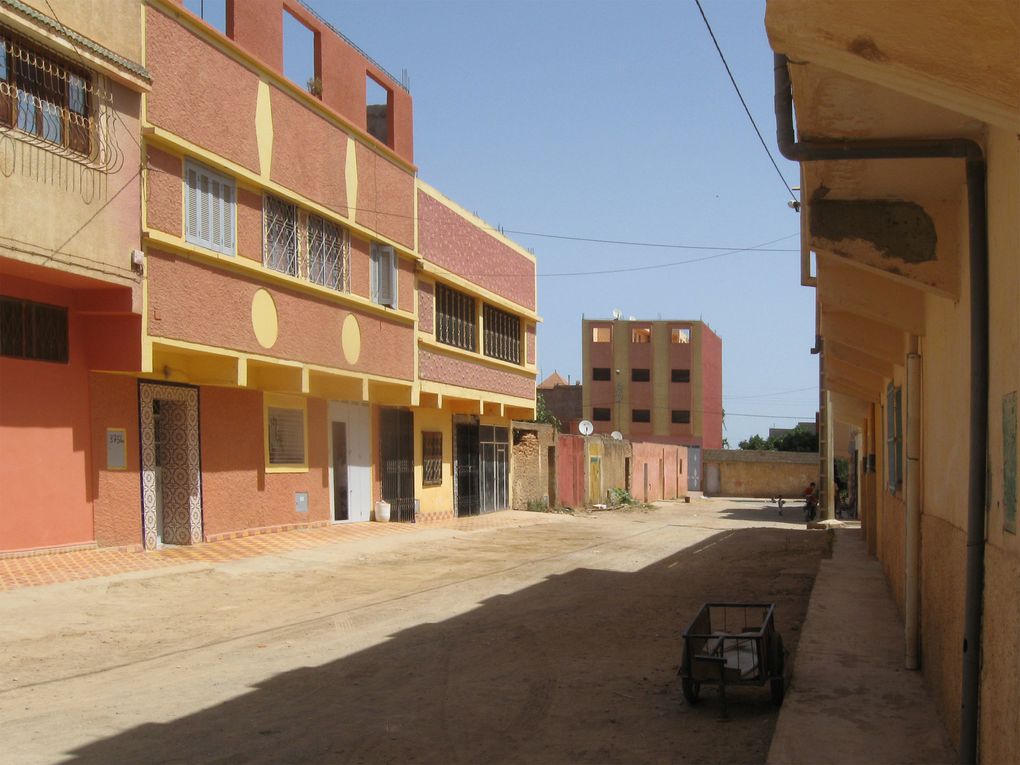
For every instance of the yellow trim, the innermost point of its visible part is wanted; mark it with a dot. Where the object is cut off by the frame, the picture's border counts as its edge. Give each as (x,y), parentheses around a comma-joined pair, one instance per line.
(284,401)
(185,345)
(474,220)
(184,148)
(264,129)
(448,391)
(241,264)
(525,370)
(351,178)
(229,47)
(431,269)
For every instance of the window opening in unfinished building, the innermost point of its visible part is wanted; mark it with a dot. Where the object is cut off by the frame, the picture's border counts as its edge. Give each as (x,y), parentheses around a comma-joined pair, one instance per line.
(377,109)
(299,46)
(212,12)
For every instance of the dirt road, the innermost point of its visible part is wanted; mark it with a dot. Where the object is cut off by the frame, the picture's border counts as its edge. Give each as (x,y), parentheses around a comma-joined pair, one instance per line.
(547,643)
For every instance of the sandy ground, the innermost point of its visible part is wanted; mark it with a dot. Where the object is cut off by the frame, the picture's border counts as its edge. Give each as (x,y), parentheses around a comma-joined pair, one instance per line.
(547,643)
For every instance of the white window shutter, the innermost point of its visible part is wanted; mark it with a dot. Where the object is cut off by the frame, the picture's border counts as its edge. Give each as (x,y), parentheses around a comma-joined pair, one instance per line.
(373,277)
(228,218)
(393,277)
(191,225)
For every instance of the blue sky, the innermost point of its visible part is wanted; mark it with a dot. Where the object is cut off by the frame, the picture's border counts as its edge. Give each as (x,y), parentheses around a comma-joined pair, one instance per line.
(616,120)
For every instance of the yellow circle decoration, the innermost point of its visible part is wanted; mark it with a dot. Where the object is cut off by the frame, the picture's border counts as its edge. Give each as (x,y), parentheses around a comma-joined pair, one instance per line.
(264,319)
(350,339)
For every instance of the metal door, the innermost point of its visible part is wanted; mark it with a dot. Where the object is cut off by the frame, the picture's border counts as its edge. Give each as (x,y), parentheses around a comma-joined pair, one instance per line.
(396,433)
(495,468)
(357,477)
(694,468)
(466,469)
(339,464)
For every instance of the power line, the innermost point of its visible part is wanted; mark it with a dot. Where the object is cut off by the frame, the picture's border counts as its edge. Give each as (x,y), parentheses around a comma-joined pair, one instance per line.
(645,244)
(667,265)
(743,102)
(776,393)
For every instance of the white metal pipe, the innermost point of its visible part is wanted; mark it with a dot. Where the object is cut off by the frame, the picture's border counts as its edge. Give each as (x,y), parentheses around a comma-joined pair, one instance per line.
(913,530)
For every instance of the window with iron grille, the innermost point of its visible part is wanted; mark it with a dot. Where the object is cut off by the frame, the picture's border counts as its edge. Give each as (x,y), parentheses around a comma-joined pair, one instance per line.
(44,97)
(894,437)
(455,318)
(285,436)
(432,458)
(210,208)
(502,334)
(33,331)
(280,236)
(328,254)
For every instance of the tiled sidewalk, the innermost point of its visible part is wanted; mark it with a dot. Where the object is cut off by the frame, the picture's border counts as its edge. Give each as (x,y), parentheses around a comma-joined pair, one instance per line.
(38,570)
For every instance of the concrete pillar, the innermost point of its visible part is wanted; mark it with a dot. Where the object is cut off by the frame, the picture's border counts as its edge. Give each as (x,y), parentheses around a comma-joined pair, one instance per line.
(827,510)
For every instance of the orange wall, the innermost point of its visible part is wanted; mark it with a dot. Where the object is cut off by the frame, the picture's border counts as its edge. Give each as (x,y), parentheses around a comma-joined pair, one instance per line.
(116,493)
(44,439)
(385,197)
(237,493)
(182,292)
(199,93)
(317,174)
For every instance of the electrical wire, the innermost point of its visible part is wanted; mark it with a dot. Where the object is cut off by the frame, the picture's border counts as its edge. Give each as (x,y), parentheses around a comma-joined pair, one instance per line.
(743,102)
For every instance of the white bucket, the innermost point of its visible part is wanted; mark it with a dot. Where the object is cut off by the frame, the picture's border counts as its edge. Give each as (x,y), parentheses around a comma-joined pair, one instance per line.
(382,511)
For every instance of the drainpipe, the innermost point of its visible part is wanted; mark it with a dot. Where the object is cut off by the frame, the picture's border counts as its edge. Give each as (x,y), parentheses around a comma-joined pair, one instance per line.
(913,526)
(977,224)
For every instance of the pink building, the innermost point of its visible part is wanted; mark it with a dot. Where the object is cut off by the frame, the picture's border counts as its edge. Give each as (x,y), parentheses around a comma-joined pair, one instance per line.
(654,381)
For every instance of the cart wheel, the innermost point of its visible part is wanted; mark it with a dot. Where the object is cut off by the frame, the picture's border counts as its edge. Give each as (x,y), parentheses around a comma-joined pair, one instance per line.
(777,665)
(691,689)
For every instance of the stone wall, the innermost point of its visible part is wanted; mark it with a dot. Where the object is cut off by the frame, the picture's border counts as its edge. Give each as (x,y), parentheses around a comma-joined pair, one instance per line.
(533,445)
(746,473)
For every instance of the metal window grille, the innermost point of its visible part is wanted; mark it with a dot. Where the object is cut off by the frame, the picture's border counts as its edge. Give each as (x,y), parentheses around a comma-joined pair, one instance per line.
(286,436)
(280,236)
(63,108)
(455,318)
(33,331)
(328,254)
(502,335)
(432,458)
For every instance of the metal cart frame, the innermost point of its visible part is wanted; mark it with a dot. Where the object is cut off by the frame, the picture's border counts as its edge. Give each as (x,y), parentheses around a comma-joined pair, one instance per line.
(733,644)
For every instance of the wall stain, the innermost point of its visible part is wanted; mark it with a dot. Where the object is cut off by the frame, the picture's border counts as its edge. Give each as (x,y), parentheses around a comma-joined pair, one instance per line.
(865,48)
(900,230)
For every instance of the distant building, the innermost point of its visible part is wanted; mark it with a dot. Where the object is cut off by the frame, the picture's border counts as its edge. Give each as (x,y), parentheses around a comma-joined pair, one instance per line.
(655,381)
(562,400)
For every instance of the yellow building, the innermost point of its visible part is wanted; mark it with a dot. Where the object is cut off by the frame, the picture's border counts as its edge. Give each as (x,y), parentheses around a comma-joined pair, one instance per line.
(907,123)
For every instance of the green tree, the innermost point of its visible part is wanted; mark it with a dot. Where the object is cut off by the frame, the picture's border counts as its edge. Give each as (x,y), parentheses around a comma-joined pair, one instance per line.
(800,439)
(542,414)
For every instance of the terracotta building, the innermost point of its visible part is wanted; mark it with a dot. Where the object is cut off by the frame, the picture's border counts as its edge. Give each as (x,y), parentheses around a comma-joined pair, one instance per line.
(655,381)
(302,335)
(904,118)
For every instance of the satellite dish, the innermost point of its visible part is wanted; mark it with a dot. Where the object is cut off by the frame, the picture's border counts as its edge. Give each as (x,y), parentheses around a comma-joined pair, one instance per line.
(632,318)
(617,313)
(617,435)
(585,427)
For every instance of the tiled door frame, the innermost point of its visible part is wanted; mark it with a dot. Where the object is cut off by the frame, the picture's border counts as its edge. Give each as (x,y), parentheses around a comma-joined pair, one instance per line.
(188,395)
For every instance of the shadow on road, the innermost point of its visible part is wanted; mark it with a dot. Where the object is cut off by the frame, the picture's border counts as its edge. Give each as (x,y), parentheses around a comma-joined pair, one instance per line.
(793,513)
(580,667)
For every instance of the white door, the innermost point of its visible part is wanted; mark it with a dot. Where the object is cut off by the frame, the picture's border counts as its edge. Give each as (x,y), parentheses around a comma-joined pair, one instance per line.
(359,459)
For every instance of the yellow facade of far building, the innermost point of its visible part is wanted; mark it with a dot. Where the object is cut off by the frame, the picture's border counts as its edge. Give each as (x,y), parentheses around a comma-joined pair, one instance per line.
(908,137)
